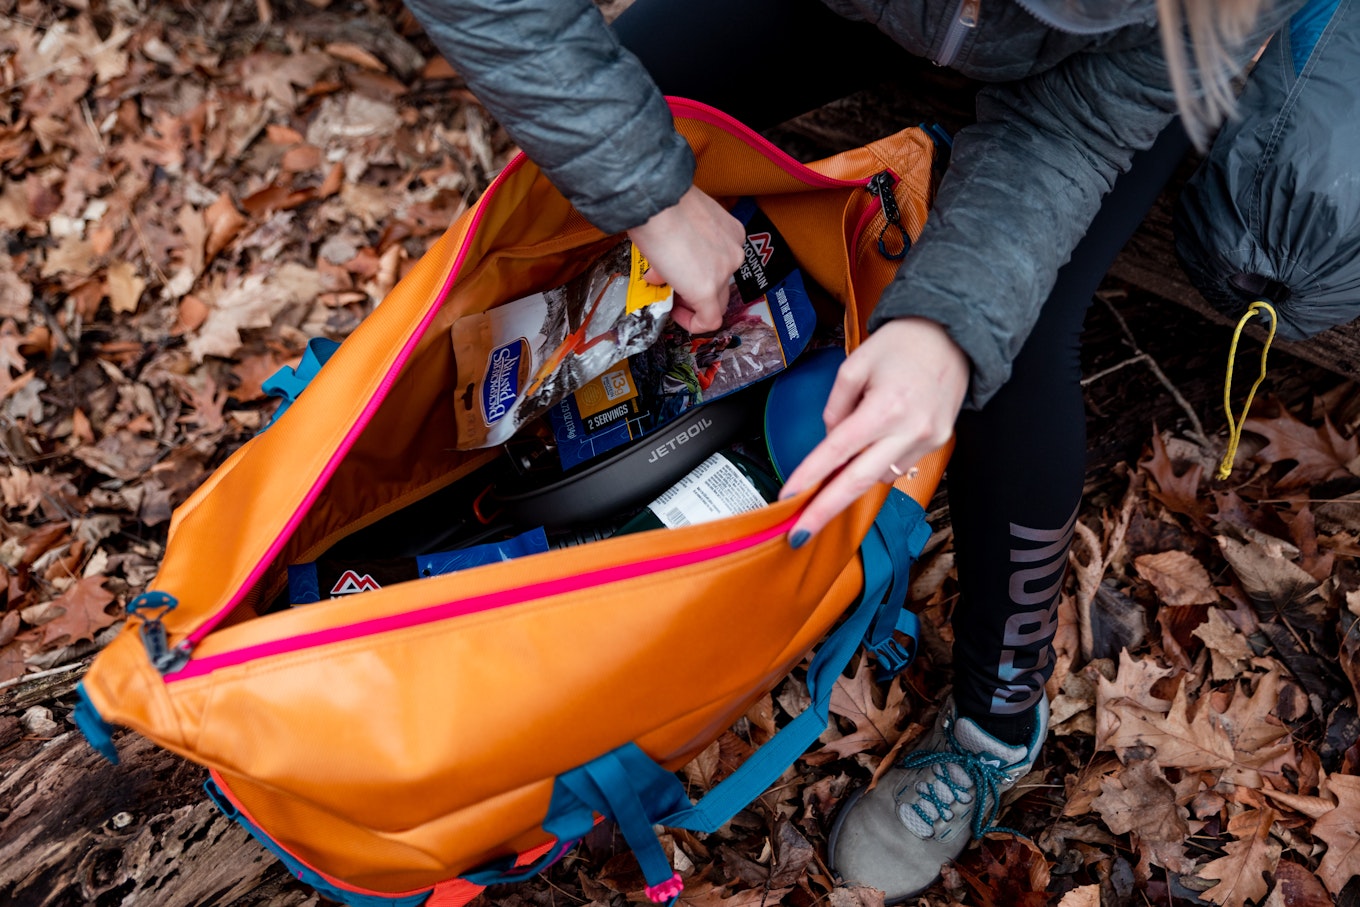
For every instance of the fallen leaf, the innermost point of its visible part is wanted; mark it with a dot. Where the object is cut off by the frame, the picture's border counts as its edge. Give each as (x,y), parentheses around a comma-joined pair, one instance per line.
(1180,493)
(84,614)
(253,303)
(1228,647)
(1268,577)
(12,662)
(1318,453)
(1139,800)
(1339,829)
(72,255)
(1240,872)
(1178,577)
(224,222)
(1134,683)
(1012,872)
(707,894)
(855,897)
(124,286)
(875,727)
(1295,886)
(1193,743)
(792,856)
(1085,896)
(353,53)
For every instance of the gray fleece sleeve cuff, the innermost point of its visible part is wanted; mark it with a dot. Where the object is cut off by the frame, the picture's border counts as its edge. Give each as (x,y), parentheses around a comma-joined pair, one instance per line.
(581,107)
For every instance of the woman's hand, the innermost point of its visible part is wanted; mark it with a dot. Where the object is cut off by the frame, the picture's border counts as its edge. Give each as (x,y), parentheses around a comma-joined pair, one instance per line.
(894,401)
(694,246)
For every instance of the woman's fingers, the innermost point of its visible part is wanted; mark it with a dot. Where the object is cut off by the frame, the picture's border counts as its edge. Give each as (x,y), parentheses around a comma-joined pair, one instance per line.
(894,401)
(695,245)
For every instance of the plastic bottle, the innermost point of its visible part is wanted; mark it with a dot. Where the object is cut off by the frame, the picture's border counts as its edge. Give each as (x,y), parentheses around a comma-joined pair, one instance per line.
(726,484)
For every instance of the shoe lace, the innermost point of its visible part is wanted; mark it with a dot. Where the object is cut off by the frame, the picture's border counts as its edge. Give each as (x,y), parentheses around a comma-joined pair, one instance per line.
(985,773)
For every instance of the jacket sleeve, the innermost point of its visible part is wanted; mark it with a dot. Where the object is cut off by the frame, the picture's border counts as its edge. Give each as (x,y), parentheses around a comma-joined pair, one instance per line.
(580,106)
(1023,186)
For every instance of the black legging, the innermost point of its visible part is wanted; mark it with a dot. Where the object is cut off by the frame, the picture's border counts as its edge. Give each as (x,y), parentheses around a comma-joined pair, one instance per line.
(1016,476)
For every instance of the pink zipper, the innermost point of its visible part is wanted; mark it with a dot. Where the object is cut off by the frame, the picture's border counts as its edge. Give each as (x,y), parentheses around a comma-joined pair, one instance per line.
(692,109)
(357,428)
(490,601)
(714,117)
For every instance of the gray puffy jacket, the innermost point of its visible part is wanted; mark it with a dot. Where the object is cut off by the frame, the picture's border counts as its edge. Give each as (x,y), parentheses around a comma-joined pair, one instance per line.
(1063,118)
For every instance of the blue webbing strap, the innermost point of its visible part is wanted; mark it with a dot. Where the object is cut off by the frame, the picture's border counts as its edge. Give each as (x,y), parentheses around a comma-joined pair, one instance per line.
(629,787)
(893,615)
(289,382)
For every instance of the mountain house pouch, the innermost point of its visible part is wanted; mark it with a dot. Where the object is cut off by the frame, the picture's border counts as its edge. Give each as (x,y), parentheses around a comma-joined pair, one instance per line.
(408,744)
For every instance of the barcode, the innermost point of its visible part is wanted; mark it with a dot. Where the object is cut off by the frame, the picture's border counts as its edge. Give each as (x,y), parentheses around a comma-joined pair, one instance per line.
(675,517)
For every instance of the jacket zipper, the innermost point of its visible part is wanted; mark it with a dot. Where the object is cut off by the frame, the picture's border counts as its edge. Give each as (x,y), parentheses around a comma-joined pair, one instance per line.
(171,661)
(965,19)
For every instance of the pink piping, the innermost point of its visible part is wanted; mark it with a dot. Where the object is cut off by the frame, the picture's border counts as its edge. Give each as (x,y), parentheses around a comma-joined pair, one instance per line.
(353,435)
(694,110)
(714,117)
(504,598)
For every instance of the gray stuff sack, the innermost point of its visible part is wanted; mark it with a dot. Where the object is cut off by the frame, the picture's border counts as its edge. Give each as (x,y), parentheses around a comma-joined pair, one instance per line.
(1273,212)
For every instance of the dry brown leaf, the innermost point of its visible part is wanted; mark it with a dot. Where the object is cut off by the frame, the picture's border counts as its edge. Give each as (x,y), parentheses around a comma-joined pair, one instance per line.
(73,255)
(124,286)
(1295,886)
(12,661)
(1139,800)
(1178,577)
(1250,720)
(1266,575)
(353,53)
(1133,683)
(253,303)
(224,222)
(1194,744)
(1179,493)
(1318,453)
(1253,854)
(84,614)
(1013,872)
(15,294)
(1339,829)
(855,897)
(1085,896)
(1228,647)
(875,727)
(706,894)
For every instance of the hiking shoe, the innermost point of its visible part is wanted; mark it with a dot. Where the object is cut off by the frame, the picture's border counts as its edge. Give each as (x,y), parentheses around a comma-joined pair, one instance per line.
(926,809)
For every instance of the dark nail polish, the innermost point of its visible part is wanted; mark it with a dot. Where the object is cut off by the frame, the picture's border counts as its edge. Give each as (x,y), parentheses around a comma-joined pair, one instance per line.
(799,538)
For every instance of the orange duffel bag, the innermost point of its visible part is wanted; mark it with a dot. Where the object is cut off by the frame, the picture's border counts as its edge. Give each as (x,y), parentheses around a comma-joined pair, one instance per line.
(405,745)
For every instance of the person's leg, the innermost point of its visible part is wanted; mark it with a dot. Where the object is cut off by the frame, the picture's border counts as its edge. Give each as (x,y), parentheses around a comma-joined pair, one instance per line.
(1015,482)
(762,61)
(1016,477)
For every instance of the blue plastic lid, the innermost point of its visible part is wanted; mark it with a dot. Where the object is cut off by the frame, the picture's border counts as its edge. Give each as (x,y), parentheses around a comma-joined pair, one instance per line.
(793,410)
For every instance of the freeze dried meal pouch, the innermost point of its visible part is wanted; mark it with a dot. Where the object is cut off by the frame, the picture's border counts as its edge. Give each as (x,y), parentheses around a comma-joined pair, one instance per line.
(518,359)
(768,322)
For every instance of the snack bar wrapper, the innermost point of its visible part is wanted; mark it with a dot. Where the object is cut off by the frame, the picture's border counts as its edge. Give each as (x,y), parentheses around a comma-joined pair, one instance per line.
(768,322)
(515,361)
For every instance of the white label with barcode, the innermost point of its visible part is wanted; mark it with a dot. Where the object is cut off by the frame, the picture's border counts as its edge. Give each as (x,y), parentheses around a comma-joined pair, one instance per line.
(714,489)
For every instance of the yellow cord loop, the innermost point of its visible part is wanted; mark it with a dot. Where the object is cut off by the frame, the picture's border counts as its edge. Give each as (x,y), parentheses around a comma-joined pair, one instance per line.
(1225,467)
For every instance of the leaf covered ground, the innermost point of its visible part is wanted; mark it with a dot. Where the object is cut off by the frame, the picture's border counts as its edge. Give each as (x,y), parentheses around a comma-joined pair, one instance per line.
(189,192)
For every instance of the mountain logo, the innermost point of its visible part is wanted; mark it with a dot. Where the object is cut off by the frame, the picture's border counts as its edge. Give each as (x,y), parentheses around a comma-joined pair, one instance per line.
(763,245)
(351,582)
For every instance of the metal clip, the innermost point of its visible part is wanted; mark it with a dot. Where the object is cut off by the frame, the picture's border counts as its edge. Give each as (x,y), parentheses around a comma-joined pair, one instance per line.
(880,185)
(151,607)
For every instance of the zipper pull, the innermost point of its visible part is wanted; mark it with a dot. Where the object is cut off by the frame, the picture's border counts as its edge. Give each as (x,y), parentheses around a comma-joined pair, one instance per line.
(151,607)
(880,185)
